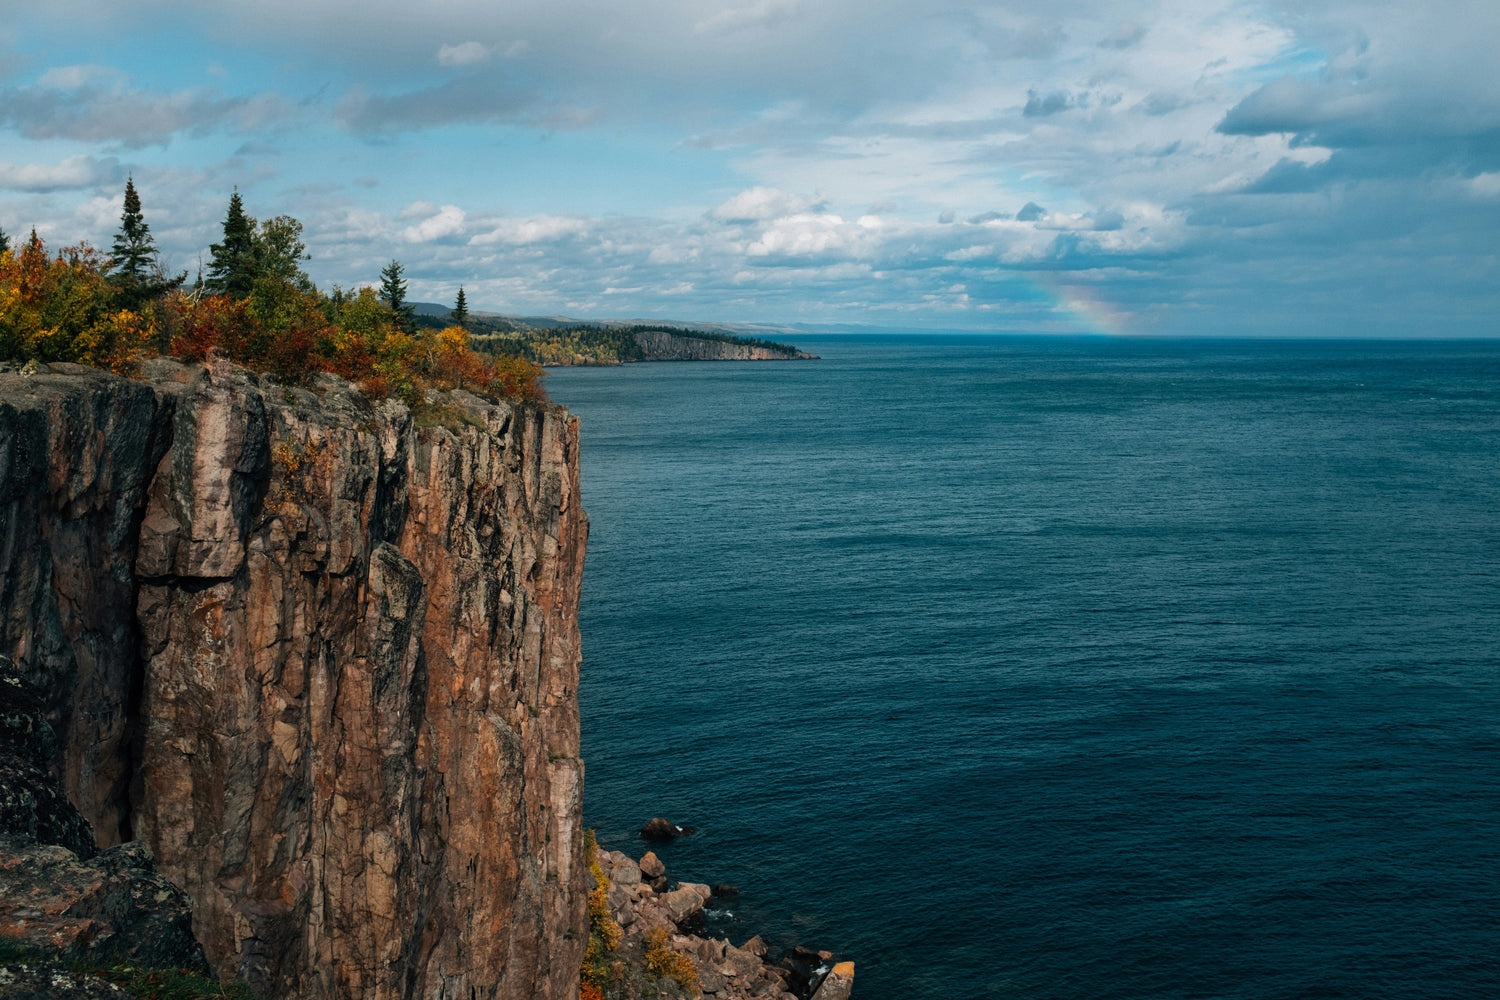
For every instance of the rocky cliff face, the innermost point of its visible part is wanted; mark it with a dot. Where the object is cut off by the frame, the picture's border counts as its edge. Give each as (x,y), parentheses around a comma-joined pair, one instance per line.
(662,346)
(320,658)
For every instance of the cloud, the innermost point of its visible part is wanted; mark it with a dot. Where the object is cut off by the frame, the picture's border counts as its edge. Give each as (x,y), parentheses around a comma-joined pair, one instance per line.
(1126,35)
(527,231)
(1041,105)
(462,54)
(1486,185)
(75,172)
(92,103)
(762,13)
(759,204)
(446,221)
(468,99)
(1030,212)
(1295,105)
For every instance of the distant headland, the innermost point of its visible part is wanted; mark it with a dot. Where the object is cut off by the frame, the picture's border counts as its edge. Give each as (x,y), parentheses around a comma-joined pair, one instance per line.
(559,340)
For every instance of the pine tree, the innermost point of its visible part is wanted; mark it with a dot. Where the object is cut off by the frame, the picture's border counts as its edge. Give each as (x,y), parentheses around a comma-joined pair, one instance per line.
(134,254)
(393,291)
(4,241)
(231,267)
(461,308)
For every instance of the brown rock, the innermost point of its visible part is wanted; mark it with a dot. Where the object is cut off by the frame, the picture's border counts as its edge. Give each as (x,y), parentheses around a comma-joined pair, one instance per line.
(755,946)
(743,962)
(113,907)
(682,902)
(651,866)
(345,645)
(625,873)
(661,829)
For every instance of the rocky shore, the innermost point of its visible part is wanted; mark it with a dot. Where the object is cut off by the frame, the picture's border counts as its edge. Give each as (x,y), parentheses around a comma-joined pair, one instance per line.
(643,901)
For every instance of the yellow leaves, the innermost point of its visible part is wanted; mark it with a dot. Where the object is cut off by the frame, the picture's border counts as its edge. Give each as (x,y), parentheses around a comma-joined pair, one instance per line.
(663,962)
(453,340)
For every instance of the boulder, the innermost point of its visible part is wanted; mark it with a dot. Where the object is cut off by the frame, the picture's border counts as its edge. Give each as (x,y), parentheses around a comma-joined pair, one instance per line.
(625,873)
(755,946)
(726,891)
(661,829)
(57,894)
(651,866)
(838,984)
(116,906)
(683,902)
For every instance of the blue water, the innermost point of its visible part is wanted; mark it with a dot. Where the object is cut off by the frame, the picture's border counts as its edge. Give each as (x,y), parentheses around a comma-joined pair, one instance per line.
(1052,668)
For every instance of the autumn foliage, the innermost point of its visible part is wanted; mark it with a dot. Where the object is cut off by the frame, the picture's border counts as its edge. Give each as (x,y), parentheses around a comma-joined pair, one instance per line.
(64,309)
(67,308)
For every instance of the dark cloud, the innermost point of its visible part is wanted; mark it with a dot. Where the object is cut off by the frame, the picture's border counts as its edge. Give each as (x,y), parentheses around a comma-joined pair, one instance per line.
(470,99)
(1030,212)
(1040,105)
(80,105)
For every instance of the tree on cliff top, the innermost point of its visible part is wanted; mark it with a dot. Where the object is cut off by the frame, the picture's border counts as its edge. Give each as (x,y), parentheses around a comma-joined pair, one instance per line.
(461,308)
(393,291)
(231,268)
(134,250)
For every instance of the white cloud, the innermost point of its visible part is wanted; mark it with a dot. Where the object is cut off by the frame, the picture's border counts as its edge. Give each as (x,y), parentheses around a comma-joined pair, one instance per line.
(463,54)
(762,13)
(536,229)
(1486,185)
(75,172)
(759,204)
(446,221)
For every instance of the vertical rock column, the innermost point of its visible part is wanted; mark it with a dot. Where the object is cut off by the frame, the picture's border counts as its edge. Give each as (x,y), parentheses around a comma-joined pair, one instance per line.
(355,688)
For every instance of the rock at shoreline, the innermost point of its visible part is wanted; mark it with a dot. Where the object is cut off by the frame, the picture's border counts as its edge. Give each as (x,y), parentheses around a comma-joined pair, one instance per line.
(838,984)
(724,971)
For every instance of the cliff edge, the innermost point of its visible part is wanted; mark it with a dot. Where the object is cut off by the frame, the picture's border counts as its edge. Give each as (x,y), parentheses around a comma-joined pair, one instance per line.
(321,657)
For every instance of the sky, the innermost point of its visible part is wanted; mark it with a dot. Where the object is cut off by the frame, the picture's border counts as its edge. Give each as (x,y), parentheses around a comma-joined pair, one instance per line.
(1156,167)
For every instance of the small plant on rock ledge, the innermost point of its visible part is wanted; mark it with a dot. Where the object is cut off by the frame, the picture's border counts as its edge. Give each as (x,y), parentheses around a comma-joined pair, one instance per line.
(604,933)
(664,963)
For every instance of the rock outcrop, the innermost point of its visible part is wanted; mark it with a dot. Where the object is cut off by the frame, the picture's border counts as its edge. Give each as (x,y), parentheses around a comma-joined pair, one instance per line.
(724,972)
(660,345)
(321,657)
(60,897)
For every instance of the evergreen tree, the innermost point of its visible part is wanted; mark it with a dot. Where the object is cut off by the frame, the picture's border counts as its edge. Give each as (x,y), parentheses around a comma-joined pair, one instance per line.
(134,254)
(461,308)
(231,266)
(393,291)
(4,241)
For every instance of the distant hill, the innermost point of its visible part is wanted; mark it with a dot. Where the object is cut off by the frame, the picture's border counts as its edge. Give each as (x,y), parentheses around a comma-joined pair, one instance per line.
(559,340)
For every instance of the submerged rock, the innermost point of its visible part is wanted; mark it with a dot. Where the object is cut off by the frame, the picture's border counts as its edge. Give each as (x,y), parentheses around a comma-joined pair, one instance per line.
(661,829)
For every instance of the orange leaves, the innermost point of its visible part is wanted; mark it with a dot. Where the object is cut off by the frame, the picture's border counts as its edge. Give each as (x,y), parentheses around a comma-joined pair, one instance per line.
(68,309)
(64,309)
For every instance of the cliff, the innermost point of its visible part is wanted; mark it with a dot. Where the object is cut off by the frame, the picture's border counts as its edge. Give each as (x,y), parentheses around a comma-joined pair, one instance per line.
(320,657)
(659,345)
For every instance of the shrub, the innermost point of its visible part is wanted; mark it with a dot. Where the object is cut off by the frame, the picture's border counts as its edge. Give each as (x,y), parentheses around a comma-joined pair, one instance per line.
(664,963)
(67,309)
(604,933)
